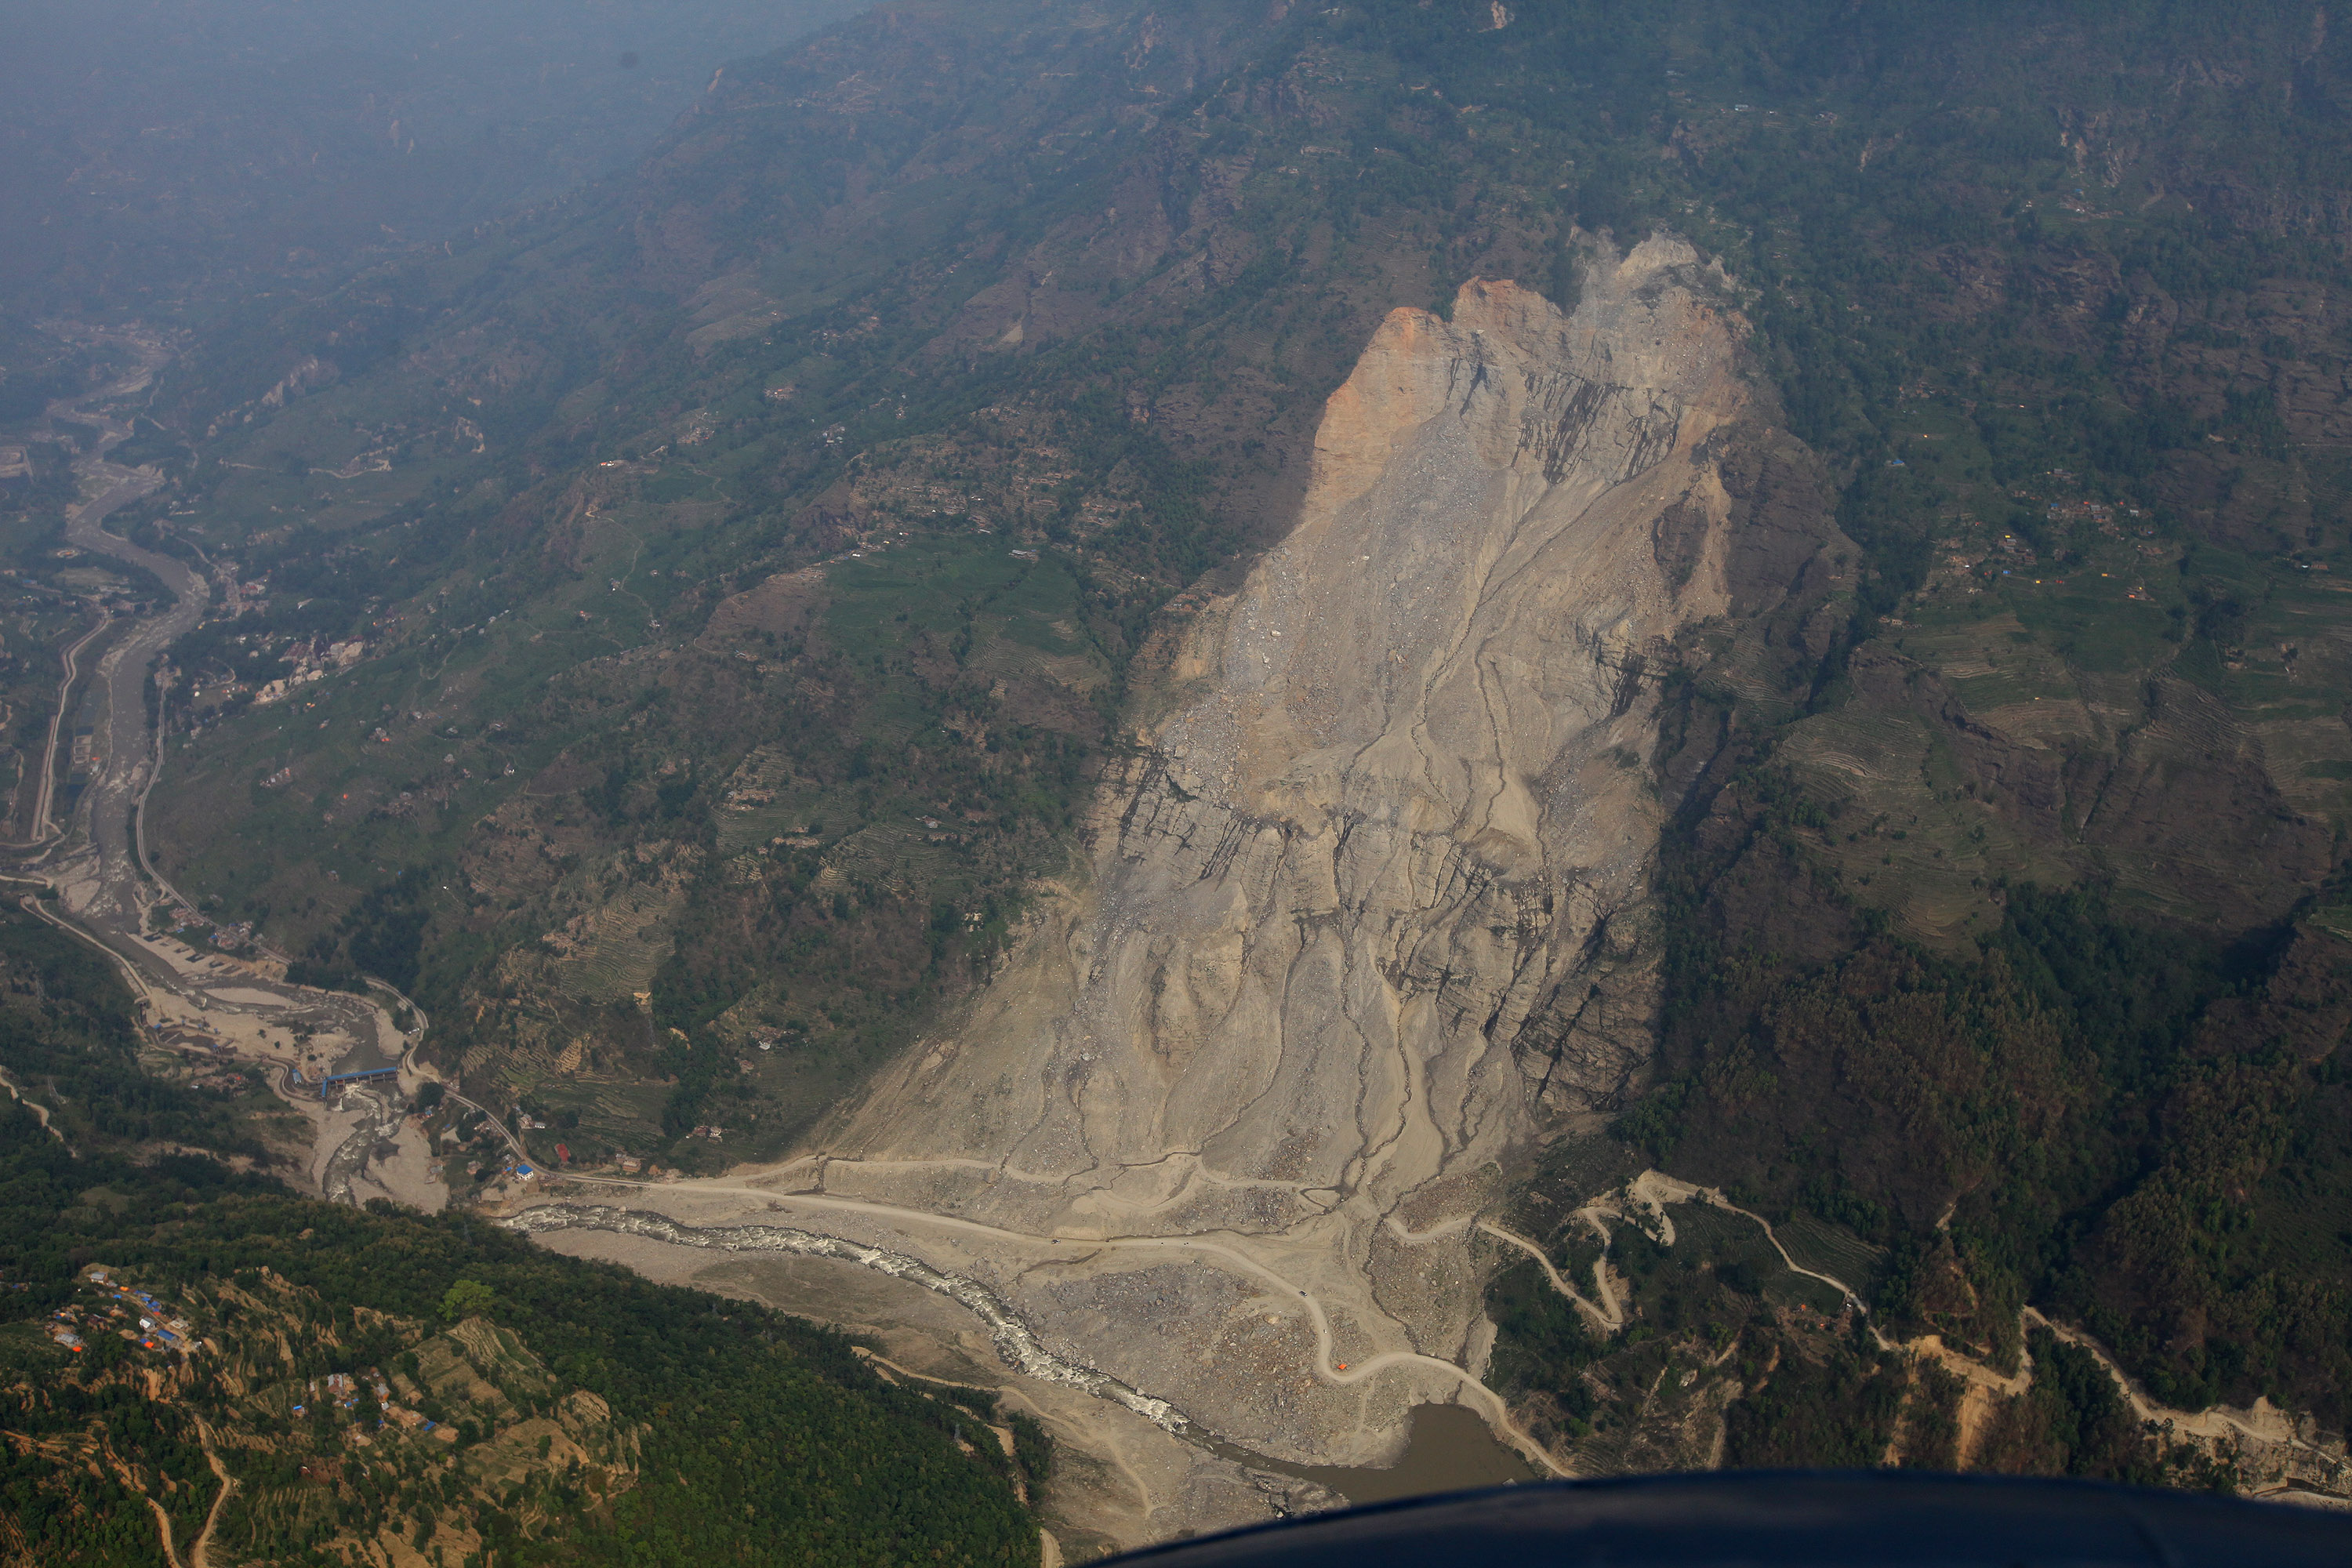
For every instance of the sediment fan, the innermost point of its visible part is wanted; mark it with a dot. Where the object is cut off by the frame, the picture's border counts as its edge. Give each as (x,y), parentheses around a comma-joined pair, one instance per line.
(1816,1517)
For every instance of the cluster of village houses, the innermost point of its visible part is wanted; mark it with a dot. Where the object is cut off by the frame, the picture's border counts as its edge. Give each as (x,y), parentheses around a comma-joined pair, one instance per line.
(312,663)
(159,1328)
(343,1392)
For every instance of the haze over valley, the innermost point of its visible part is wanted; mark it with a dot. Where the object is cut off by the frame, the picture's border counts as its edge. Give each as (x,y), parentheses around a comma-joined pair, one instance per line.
(992,780)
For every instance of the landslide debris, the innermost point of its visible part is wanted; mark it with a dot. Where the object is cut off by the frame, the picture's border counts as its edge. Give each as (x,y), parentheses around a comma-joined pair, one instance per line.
(1371,902)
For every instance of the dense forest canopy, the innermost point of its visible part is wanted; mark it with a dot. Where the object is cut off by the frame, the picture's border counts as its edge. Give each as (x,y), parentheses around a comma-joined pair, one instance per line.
(683,1428)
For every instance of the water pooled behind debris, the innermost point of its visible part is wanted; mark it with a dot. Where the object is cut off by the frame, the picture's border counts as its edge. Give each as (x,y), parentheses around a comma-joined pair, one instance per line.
(1447,1450)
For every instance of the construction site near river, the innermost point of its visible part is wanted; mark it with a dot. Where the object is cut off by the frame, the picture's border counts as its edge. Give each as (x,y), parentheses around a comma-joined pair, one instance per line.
(1012,1254)
(341,1060)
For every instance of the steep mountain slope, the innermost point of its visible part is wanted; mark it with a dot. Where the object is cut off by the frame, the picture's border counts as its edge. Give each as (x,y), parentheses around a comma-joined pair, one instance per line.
(1378,881)
(779,577)
(771,804)
(337,1384)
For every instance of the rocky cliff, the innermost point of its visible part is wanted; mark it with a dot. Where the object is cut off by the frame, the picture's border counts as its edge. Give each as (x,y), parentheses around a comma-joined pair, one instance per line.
(1368,905)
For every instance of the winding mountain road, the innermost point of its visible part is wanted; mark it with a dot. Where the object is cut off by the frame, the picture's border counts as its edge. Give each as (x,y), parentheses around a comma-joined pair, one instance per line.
(100,873)
(96,857)
(44,829)
(1326,1366)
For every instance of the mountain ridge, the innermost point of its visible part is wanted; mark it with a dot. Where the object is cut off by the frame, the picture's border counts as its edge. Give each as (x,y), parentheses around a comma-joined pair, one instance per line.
(804,522)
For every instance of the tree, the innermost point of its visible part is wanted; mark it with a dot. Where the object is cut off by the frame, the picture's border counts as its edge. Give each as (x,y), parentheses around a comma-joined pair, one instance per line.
(468,1298)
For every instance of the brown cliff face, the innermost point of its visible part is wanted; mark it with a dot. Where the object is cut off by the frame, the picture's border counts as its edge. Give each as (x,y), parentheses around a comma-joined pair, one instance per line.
(1371,904)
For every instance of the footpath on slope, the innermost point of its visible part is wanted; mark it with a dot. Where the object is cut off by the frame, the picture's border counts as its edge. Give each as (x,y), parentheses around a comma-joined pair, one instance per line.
(2323,1470)
(1325,1366)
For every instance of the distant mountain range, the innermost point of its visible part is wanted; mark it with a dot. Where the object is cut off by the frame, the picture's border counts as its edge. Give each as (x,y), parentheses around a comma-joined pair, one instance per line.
(1660,695)
(157,156)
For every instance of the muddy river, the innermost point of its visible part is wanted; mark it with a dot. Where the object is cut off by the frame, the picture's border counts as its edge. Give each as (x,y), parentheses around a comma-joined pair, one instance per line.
(1450,1449)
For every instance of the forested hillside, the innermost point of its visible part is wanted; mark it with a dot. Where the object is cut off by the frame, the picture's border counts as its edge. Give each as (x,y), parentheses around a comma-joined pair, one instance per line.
(752,564)
(320,1381)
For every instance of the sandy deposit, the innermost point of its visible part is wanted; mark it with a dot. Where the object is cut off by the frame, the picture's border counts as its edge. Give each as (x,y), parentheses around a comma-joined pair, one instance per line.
(1119,1481)
(1376,885)
(246,996)
(1368,906)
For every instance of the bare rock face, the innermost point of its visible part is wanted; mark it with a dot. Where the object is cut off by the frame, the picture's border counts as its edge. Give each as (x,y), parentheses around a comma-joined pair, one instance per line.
(1371,906)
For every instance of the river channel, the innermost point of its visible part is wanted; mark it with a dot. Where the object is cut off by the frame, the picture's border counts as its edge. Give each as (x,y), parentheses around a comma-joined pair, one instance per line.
(200,1004)
(98,864)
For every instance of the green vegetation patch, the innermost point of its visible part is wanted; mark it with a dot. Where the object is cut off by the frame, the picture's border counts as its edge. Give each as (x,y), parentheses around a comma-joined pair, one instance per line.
(373,1376)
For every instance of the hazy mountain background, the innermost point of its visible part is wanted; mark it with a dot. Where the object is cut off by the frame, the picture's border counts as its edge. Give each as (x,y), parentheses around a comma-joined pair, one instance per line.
(155,153)
(763,555)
